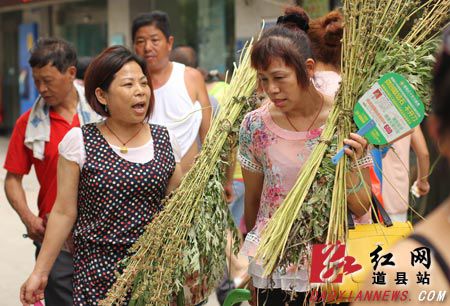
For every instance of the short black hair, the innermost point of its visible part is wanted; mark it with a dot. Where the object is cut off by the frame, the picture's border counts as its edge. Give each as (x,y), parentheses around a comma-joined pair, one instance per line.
(82,64)
(157,18)
(185,55)
(55,51)
(102,70)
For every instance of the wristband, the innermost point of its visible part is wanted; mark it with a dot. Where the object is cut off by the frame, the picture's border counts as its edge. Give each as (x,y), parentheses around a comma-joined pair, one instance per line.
(363,162)
(356,188)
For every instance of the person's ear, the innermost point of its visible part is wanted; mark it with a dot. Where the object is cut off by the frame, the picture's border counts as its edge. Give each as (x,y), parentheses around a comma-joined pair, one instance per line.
(170,42)
(310,65)
(72,72)
(101,96)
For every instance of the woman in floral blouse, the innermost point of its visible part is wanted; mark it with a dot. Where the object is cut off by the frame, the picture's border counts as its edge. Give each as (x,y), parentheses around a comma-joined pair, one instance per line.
(275,142)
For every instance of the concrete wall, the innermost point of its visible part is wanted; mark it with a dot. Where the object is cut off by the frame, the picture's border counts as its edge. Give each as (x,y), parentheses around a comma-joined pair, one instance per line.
(42,17)
(119,24)
(120,18)
(249,13)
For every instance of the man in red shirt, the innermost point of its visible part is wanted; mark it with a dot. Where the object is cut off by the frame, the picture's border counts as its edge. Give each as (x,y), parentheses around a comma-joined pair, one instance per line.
(60,106)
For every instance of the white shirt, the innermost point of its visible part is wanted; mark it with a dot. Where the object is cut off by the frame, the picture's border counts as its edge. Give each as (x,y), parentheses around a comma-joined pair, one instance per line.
(72,148)
(175,109)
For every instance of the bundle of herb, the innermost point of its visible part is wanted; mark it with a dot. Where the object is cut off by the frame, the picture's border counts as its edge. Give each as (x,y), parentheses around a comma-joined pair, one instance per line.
(185,243)
(372,46)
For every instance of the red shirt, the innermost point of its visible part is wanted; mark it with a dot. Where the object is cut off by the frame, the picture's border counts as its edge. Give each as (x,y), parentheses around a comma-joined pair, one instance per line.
(19,158)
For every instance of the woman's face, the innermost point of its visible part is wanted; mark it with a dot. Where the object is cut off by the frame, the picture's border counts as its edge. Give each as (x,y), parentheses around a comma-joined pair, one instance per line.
(151,44)
(128,95)
(280,83)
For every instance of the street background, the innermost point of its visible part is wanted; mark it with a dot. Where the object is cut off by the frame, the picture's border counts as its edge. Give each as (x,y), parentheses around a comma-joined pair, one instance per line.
(16,253)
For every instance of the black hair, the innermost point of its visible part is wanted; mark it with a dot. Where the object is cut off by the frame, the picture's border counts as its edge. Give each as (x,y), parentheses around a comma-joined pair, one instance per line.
(293,47)
(101,73)
(185,55)
(441,84)
(158,19)
(55,51)
(82,65)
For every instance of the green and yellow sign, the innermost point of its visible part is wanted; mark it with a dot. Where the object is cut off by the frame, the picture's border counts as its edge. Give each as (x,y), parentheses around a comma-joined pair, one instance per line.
(393,105)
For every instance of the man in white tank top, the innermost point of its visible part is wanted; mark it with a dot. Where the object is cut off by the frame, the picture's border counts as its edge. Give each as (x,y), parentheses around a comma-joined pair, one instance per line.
(181,99)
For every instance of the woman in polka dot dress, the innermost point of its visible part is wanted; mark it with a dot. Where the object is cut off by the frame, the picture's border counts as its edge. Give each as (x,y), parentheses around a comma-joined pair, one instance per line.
(112,177)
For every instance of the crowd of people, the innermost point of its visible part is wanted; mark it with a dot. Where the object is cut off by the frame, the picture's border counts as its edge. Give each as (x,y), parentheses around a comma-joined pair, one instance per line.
(114,137)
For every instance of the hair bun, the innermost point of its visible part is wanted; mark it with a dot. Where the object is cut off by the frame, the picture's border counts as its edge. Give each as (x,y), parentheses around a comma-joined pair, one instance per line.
(334,28)
(294,16)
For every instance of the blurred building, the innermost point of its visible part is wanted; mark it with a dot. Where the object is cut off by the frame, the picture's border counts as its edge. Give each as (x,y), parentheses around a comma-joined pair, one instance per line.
(217,29)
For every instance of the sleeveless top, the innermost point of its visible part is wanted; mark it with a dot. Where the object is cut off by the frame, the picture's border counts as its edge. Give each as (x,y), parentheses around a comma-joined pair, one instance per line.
(175,110)
(116,200)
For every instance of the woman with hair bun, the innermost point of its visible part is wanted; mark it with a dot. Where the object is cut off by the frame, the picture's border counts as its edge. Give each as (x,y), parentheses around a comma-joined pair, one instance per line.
(325,34)
(274,143)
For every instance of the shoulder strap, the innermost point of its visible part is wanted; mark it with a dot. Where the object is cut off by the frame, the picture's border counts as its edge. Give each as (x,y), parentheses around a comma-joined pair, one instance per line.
(160,134)
(88,130)
(441,261)
(178,72)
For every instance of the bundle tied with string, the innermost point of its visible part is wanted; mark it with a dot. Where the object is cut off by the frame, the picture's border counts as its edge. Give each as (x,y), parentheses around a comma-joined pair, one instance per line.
(315,210)
(183,248)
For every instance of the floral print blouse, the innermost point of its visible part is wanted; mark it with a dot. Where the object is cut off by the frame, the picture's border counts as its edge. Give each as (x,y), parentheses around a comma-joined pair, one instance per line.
(277,153)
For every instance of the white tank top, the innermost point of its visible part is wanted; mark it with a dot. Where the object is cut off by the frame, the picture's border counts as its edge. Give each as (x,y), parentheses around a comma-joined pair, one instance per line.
(175,110)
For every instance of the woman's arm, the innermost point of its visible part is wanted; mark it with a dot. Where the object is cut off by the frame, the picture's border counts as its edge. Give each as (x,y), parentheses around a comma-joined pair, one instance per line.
(419,146)
(59,226)
(359,202)
(229,173)
(174,180)
(357,180)
(253,182)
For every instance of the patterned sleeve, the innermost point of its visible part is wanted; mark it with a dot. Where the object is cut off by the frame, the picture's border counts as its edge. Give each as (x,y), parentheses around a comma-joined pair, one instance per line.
(246,155)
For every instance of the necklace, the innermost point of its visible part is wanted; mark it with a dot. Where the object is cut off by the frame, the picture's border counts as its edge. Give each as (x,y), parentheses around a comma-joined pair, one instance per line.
(315,118)
(123,148)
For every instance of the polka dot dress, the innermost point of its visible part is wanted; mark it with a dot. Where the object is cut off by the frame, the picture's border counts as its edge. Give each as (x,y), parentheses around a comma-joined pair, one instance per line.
(116,200)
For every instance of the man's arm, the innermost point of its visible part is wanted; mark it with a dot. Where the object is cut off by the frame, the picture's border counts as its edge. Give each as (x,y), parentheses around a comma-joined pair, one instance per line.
(194,81)
(16,196)
(229,175)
